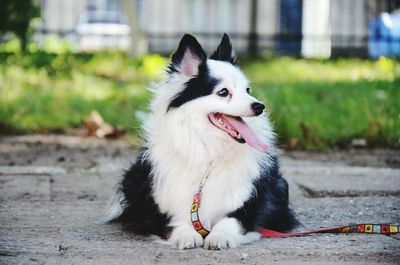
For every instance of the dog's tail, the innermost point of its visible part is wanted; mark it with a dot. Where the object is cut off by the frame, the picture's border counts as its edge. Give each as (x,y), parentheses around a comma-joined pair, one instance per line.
(114,209)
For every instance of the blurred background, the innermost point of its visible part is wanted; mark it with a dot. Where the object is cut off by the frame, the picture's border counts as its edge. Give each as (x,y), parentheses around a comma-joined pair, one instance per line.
(327,69)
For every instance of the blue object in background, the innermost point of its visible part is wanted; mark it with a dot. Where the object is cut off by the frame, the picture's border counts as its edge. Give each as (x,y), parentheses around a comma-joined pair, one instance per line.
(384,35)
(290,22)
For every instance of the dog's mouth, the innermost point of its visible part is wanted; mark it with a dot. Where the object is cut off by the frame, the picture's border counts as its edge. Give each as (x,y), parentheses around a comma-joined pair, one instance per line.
(238,129)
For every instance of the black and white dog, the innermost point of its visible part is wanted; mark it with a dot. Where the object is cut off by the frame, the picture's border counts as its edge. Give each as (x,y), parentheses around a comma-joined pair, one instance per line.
(204,122)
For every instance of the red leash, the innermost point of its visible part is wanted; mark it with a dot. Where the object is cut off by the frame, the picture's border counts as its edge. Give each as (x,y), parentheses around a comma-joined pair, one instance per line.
(383,229)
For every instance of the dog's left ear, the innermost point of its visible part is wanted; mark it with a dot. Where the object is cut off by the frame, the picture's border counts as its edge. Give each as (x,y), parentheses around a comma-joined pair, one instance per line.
(188,58)
(224,51)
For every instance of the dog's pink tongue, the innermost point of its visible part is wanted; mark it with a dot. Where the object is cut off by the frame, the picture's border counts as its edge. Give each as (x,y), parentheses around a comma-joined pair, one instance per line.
(246,132)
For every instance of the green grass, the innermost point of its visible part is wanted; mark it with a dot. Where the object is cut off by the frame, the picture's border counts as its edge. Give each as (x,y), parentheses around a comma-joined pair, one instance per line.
(318,104)
(314,104)
(56,92)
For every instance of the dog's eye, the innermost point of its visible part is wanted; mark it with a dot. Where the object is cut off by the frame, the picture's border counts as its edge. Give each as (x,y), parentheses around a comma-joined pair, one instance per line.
(223,92)
(248,90)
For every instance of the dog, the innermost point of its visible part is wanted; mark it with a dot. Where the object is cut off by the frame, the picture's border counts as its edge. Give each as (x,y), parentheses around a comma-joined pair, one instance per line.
(204,126)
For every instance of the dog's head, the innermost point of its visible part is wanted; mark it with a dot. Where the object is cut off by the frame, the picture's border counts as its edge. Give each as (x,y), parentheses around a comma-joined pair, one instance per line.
(215,89)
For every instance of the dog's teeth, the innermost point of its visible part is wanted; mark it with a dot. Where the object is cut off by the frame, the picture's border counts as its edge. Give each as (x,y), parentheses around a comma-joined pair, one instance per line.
(239,135)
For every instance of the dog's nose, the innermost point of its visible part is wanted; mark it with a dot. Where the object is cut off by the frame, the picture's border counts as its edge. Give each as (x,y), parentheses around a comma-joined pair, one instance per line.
(257,108)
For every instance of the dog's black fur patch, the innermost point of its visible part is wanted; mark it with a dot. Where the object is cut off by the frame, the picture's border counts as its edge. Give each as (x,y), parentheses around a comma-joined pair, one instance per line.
(200,86)
(269,205)
(140,212)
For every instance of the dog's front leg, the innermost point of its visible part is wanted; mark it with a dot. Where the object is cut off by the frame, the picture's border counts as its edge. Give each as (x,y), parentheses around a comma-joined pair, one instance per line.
(184,237)
(228,233)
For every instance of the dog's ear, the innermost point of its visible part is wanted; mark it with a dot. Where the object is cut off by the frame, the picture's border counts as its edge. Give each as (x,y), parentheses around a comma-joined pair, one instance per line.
(224,51)
(188,57)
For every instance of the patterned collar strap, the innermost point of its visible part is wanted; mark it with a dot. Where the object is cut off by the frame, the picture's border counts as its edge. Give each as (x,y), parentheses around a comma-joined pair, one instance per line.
(194,212)
(194,215)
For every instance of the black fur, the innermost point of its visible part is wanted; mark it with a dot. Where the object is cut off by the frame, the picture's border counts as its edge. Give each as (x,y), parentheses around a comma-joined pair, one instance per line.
(269,205)
(224,51)
(141,214)
(200,86)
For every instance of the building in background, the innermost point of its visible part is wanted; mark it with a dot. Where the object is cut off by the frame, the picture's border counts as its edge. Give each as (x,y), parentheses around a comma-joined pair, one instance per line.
(312,28)
(60,16)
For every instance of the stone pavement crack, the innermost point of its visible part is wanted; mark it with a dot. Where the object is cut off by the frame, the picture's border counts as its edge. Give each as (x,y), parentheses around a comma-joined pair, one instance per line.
(311,193)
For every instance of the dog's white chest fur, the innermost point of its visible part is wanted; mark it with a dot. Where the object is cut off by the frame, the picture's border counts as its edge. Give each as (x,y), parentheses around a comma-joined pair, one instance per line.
(227,187)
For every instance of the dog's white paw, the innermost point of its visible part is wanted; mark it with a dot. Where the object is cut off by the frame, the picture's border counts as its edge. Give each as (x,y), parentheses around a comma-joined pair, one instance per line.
(185,239)
(228,233)
(218,240)
(221,240)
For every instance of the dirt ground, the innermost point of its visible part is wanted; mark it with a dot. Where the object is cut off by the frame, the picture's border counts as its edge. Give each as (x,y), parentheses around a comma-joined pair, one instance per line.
(53,188)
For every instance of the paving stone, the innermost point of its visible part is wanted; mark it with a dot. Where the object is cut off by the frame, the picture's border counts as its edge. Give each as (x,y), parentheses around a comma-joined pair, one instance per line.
(31,170)
(338,181)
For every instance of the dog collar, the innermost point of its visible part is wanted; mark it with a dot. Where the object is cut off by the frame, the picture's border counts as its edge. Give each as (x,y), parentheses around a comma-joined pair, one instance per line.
(194,212)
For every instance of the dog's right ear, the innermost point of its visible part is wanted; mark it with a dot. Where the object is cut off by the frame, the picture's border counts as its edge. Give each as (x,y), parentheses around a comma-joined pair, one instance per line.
(224,51)
(188,57)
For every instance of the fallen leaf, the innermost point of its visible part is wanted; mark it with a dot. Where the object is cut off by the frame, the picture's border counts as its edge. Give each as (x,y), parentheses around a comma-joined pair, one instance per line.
(96,126)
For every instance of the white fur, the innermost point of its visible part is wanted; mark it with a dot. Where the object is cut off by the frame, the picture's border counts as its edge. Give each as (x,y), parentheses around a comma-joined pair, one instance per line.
(185,237)
(114,209)
(228,233)
(183,147)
